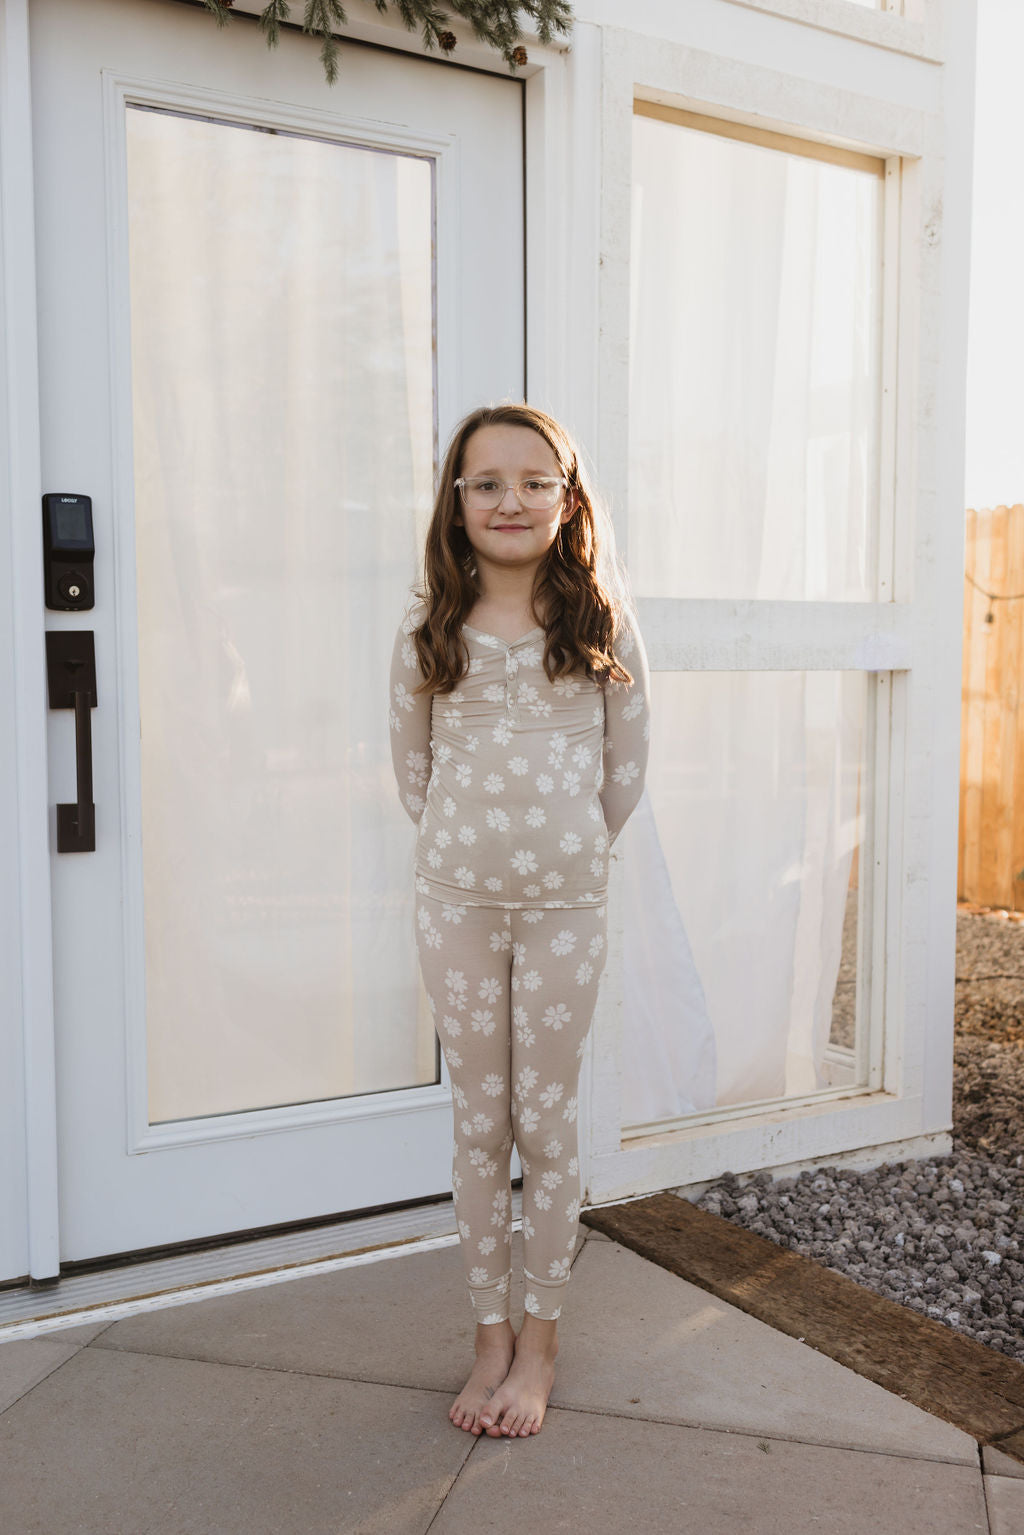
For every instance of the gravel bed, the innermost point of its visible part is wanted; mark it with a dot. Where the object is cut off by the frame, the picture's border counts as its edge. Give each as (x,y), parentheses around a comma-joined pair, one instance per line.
(944,1236)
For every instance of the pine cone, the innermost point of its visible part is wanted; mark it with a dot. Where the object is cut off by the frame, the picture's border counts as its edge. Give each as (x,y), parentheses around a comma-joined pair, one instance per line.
(519,55)
(446,41)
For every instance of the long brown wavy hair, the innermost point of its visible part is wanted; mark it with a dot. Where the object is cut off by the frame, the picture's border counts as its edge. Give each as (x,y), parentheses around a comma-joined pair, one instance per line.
(577,585)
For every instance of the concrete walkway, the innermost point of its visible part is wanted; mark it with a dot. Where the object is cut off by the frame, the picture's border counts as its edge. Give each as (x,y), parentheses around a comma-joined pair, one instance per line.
(321,1405)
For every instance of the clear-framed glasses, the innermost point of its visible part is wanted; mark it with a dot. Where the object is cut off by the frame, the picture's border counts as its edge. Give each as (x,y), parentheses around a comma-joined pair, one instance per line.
(483,493)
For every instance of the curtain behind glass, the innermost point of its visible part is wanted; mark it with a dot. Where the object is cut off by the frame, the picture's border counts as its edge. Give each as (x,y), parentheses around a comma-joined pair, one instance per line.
(282,309)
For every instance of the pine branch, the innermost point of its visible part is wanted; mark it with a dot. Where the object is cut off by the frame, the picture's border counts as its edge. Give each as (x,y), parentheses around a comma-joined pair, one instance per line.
(494,22)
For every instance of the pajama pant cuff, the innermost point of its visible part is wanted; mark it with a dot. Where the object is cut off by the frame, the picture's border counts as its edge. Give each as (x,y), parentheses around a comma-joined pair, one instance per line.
(544,1296)
(490,1301)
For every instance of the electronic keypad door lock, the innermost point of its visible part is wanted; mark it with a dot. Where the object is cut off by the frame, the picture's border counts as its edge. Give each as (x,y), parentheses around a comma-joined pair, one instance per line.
(69,549)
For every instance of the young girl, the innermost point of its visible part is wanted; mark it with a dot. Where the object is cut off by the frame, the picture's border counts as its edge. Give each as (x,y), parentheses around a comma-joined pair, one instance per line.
(519,740)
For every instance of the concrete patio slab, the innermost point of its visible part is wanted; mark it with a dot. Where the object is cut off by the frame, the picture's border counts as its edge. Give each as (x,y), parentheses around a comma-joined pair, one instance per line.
(1005,1498)
(24,1363)
(995,1463)
(405,1321)
(130,1444)
(605,1475)
(641,1342)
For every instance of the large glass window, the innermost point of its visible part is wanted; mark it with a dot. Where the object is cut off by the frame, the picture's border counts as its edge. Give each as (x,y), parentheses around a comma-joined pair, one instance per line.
(743,892)
(283,391)
(756,278)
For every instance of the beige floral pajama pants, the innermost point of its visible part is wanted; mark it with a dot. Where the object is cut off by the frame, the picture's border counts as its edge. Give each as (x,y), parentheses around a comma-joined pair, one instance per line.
(512,994)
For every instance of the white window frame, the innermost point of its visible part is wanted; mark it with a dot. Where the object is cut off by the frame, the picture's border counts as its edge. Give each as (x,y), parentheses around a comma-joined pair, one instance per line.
(905,1108)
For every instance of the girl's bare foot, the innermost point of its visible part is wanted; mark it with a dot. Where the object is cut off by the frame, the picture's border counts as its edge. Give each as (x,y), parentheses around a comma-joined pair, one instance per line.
(517,1407)
(495,1347)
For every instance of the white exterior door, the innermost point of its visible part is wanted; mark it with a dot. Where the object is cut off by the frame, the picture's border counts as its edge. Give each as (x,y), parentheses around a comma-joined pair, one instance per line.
(263,303)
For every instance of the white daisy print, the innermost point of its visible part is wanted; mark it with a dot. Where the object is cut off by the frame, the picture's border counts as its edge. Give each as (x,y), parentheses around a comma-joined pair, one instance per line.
(493,884)
(455,981)
(518,766)
(528,1228)
(449,807)
(559,1268)
(572,1210)
(493,1085)
(490,990)
(463,774)
(570,843)
(526,1079)
(464,1231)
(535,914)
(545,783)
(626,772)
(418,767)
(500,941)
(465,877)
(452,1025)
(524,861)
(583,756)
(494,784)
(574,1166)
(478,1275)
(584,973)
(634,708)
(551,1095)
(531,980)
(403,698)
(536,816)
(553,1148)
(482,1021)
(500,1201)
(518,952)
(566,687)
(487,1245)
(498,820)
(596,945)
(542,1199)
(531,892)
(556,1017)
(554,879)
(529,1119)
(563,942)
(434,858)
(453,914)
(467,835)
(569,1113)
(501,735)
(597,866)
(571,784)
(551,1179)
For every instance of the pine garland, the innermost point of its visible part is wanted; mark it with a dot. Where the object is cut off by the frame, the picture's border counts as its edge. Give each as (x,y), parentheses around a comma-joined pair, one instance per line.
(494,21)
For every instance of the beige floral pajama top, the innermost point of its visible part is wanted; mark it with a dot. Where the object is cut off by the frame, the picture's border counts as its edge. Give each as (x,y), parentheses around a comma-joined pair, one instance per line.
(518,785)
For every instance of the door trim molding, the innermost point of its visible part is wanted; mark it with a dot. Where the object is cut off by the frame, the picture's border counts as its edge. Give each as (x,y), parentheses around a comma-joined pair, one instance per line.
(29,1230)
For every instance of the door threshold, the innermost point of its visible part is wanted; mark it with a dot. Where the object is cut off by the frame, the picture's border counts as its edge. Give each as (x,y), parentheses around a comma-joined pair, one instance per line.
(106,1295)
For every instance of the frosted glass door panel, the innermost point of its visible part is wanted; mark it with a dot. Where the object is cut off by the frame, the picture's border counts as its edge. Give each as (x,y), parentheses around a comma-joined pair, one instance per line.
(754,370)
(282,316)
(758,789)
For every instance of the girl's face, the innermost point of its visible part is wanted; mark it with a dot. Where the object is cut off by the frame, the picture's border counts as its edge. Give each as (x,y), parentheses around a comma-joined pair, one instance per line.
(511,535)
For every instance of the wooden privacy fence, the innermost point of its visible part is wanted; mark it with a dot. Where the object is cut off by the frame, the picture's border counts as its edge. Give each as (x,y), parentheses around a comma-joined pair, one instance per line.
(991,852)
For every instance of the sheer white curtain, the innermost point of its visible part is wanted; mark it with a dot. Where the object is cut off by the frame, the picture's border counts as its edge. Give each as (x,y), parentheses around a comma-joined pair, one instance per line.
(282,309)
(753,442)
